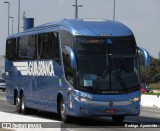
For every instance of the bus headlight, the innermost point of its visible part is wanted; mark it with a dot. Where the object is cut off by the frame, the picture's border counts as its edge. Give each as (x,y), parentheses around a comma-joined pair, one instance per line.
(85,100)
(134,99)
(82,99)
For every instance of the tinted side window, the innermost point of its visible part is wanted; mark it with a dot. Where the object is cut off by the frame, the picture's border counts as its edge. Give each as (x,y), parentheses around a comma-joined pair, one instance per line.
(67,40)
(11,49)
(40,46)
(69,72)
(48,46)
(27,47)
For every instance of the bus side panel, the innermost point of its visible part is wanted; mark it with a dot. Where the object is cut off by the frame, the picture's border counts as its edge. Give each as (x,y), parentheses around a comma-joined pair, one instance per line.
(9,82)
(41,91)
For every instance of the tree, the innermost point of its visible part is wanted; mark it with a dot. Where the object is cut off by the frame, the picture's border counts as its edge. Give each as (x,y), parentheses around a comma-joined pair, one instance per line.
(152,74)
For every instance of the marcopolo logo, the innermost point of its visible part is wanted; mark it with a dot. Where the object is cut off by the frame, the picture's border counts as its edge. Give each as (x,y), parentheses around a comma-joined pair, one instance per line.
(35,68)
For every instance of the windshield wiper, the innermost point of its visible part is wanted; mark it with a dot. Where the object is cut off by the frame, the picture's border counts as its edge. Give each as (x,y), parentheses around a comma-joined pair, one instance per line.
(120,79)
(104,74)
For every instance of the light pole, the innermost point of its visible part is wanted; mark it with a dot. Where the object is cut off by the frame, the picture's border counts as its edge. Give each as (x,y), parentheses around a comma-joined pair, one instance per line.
(8,13)
(114,10)
(12,22)
(19,16)
(76,9)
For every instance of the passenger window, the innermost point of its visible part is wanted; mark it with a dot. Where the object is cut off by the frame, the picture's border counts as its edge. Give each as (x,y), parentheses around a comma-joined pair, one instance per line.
(48,46)
(27,47)
(11,49)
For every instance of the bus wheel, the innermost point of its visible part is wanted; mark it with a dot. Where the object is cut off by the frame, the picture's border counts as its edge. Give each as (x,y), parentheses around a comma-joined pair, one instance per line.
(118,119)
(62,111)
(18,104)
(23,107)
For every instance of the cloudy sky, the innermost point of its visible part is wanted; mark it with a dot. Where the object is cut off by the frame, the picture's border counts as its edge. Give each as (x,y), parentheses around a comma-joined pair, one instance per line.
(142,16)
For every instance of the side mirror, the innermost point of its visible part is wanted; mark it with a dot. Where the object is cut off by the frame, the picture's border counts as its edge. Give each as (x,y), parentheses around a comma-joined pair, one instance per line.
(72,57)
(146,56)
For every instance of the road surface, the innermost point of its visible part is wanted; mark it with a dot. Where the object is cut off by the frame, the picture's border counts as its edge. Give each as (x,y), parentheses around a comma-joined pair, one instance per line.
(149,117)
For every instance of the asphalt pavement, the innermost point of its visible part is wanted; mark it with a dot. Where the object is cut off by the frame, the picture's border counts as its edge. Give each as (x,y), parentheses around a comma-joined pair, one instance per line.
(149,119)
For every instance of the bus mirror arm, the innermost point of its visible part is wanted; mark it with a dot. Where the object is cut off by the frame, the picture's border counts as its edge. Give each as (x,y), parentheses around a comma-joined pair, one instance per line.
(72,57)
(146,56)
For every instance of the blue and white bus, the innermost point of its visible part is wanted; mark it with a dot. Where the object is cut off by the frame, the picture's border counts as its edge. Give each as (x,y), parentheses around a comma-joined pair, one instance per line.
(80,68)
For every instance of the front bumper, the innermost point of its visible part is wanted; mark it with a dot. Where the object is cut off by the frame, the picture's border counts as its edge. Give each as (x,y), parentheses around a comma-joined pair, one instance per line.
(80,109)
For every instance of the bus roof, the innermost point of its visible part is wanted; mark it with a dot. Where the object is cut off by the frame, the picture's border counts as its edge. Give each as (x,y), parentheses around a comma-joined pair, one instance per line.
(81,27)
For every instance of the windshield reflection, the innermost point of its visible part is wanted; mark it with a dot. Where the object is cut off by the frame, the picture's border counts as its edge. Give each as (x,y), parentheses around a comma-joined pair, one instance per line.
(104,67)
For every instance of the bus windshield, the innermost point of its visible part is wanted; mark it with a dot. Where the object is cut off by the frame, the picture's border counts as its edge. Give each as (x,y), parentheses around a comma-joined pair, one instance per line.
(107,64)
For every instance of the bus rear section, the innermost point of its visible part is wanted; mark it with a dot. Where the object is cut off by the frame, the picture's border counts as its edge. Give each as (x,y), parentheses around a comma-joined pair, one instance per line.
(33,71)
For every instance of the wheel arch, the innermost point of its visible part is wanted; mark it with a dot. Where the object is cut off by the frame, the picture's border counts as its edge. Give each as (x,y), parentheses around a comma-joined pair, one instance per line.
(15,94)
(59,97)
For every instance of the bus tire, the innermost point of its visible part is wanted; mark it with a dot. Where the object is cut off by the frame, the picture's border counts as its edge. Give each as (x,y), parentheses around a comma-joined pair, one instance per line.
(23,107)
(118,119)
(18,104)
(62,111)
